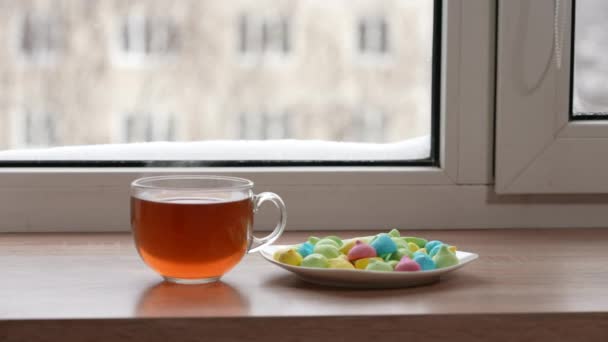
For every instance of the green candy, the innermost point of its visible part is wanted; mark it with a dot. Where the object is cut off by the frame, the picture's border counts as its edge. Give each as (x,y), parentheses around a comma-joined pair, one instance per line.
(445,258)
(327,242)
(327,250)
(399,242)
(394,233)
(315,260)
(420,242)
(375,265)
(393,263)
(336,239)
(313,240)
(400,253)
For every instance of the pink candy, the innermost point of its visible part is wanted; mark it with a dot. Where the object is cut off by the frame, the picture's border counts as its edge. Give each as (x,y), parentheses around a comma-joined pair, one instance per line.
(407,265)
(361,250)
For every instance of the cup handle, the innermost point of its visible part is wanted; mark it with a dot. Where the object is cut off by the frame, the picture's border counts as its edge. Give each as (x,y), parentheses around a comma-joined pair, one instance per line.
(280,227)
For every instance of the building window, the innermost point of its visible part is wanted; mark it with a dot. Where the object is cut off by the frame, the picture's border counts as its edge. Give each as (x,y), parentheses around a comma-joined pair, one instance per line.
(142,127)
(265,125)
(40,37)
(261,35)
(143,36)
(34,129)
(373,36)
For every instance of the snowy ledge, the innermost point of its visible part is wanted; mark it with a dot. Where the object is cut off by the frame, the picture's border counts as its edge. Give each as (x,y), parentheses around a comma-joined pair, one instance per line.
(297,150)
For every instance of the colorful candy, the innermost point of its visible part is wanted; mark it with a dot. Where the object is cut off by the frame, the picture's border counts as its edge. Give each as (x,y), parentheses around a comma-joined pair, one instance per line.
(435,249)
(289,257)
(306,249)
(445,258)
(335,239)
(328,251)
(340,263)
(361,264)
(346,247)
(313,240)
(382,252)
(420,242)
(400,253)
(315,260)
(425,262)
(432,244)
(407,265)
(375,265)
(361,250)
(383,244)
(325,241)
(412,246)
(394,233)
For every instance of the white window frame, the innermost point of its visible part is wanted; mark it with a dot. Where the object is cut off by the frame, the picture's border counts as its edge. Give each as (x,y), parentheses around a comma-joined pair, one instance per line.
(538,150)
(457,194)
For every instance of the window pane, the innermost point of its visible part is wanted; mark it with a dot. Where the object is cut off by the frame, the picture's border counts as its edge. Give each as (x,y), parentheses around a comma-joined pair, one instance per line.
(590,88)
(297,80)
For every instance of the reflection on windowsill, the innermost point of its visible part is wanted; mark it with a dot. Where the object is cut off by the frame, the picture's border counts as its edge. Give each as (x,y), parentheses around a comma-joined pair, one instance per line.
(173,300)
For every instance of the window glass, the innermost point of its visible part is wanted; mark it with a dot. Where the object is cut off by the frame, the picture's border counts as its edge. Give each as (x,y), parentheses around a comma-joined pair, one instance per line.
(353,77)
(590,89)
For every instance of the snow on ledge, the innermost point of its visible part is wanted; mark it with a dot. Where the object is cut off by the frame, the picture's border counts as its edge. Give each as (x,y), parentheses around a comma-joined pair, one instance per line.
(415,148)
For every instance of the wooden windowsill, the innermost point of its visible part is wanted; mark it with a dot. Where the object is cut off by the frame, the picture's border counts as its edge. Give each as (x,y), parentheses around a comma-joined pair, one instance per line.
(545,285)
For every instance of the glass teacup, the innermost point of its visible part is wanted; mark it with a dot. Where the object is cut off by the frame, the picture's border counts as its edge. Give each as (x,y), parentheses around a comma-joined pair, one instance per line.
(193,229)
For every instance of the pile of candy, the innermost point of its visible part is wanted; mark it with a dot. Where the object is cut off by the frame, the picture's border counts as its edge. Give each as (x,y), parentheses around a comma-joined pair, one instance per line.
(383,252)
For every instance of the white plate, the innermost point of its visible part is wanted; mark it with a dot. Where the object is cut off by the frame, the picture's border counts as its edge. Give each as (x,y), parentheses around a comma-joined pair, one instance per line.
(366,279)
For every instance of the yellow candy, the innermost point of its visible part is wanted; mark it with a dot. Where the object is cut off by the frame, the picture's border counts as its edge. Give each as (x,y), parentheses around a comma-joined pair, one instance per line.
(413,247)
(289,257)
(347,246)
(452,249)
(340,263)
(423,250)
(361,264)
(278,253)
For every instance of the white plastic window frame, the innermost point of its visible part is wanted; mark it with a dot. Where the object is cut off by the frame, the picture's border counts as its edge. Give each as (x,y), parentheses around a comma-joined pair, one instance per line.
(538,149)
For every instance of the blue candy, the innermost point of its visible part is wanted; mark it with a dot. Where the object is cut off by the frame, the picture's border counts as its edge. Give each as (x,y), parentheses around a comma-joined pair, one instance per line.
(425,262)
(431,245)
(383,244)
(417,254)
(306,249)
(435,250)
